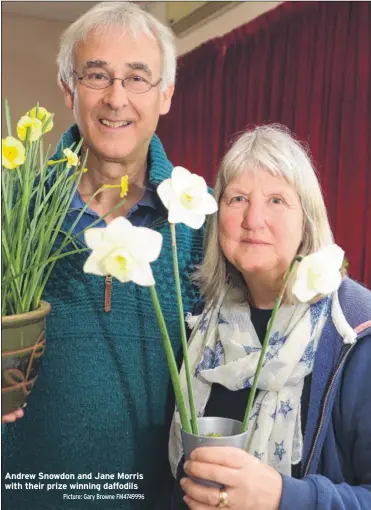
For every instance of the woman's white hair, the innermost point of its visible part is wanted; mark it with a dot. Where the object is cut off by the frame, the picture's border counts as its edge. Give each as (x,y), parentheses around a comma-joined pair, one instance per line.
(274,149)
(105,16)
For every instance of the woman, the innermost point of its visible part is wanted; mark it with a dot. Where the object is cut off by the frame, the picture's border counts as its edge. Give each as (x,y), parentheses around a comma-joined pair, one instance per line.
(310,428)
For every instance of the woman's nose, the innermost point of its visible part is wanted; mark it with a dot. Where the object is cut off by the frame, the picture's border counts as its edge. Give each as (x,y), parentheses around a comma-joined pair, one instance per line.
(254,217)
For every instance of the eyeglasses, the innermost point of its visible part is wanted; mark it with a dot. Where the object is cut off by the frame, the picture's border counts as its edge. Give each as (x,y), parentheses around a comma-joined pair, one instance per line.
(101,80)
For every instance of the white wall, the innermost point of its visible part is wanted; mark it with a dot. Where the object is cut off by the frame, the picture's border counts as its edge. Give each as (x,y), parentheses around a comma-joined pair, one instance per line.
(29,71)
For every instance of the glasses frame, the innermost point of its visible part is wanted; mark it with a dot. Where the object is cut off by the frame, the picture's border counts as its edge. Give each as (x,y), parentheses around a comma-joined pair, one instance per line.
(112,80)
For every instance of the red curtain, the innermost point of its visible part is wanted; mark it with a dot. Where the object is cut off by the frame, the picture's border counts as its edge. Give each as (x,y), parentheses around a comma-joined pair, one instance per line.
(307,66)
(191,130)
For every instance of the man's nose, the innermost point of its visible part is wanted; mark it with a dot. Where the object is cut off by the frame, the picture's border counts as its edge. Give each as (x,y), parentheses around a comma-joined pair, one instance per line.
(254,216)
(116,95)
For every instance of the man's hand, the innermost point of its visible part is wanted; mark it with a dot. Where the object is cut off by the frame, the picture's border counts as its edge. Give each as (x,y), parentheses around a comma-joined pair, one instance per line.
(11,417)
(250,484)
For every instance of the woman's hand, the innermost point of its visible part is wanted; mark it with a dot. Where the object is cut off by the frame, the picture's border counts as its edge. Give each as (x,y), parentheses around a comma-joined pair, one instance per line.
(250,484)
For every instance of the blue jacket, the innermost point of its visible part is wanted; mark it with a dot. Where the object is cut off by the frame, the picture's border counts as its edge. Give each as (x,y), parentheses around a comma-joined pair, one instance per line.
(336,465)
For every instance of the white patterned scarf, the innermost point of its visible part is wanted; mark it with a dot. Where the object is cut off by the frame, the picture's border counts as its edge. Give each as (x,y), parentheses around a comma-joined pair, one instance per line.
(224,348)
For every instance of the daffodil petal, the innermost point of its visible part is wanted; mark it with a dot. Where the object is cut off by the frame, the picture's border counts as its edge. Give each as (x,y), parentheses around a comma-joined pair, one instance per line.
(334,254)
(181,178)
(117,230)
(330,283)
(177,213)
(198,183)
(165,192)
(146,244)
(208,205)
(93,237)
(92,265)
(302,292)
(142,275)
(195,220)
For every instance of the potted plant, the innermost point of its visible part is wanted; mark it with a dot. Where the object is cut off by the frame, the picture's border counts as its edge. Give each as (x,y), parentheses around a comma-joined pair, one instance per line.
(36,196)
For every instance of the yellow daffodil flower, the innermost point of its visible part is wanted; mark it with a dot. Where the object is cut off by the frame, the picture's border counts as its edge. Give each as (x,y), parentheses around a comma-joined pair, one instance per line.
(124,186)
(41,113)
(13,153)
(33,125)
(72,158)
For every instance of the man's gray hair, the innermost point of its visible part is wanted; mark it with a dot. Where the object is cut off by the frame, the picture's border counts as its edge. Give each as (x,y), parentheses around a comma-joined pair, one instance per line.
(274,149)
(105,16)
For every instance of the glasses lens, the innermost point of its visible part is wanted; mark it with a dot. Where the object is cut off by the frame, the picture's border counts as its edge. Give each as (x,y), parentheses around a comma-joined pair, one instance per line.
(96,80)
(137,84)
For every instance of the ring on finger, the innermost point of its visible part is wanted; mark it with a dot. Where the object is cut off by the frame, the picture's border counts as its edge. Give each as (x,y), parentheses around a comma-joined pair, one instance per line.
(223,498)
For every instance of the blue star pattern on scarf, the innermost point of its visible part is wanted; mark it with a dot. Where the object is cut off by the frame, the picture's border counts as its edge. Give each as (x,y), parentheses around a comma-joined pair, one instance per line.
(273,416)
(258,455)
(203,324)
(280,451)
(248,382)
(222,319)
(285,408)
(274,345)
(256,413)
(316,310)
(211,359)
(249,349)
(308,356)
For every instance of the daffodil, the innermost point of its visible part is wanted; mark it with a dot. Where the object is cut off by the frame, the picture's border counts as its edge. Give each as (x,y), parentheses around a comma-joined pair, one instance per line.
(13,153)
(319,273)
(33,126)
(46,118)
(186,197)
(123,251)
(124,186)
(71,158)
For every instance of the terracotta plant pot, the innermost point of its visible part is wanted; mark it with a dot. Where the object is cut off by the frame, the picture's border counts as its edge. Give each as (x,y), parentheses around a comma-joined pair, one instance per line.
(22,345)
(230,435)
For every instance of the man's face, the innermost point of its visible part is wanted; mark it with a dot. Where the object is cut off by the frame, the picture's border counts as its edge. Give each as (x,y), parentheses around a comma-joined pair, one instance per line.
(135,116)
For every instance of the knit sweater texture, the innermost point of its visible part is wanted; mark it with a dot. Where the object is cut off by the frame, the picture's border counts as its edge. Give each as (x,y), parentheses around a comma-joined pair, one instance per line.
(100,402)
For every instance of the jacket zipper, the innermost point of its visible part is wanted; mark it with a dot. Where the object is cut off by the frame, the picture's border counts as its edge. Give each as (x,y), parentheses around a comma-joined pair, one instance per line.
(107,293)
(341,363)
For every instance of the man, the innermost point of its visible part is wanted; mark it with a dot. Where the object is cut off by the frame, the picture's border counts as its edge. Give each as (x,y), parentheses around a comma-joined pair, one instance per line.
(99,406)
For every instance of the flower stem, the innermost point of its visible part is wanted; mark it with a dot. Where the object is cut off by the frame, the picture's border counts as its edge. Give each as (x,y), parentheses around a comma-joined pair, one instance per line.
(265,344)
(183,335)
(173,369)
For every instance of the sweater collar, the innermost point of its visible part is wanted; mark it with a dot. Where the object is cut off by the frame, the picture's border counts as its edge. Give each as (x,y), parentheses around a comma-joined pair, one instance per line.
(158,166)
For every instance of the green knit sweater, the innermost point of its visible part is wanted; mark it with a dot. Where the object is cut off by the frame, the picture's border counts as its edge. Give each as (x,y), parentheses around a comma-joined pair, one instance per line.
(101,403)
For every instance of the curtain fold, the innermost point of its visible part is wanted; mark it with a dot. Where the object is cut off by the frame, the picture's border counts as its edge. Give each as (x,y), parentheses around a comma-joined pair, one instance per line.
(305,65)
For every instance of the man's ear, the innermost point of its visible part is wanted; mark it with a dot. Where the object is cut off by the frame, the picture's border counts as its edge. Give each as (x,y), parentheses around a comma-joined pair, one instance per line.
(166,96)
(68,95)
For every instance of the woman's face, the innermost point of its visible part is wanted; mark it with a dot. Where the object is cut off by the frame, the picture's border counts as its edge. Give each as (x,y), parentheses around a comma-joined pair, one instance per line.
(260,224)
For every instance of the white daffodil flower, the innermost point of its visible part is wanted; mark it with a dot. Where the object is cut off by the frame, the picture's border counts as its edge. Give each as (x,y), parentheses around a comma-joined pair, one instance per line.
(319,273)
(123,251)
(186,197)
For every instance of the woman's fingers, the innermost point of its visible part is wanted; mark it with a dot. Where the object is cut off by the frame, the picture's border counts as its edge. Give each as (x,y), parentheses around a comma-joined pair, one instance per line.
(223,455)
(200,493)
